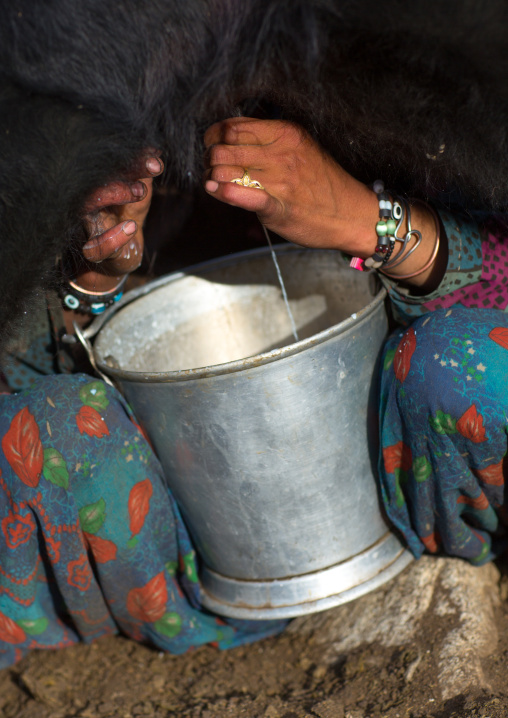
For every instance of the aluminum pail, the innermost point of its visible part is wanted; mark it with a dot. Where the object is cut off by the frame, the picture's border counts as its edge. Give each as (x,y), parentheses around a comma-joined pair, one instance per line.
(269,445)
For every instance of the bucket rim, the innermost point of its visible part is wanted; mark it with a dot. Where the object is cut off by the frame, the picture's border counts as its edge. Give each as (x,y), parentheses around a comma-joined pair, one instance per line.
(238,365)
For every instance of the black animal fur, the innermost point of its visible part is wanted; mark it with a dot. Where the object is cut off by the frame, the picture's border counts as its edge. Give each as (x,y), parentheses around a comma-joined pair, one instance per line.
(412,92)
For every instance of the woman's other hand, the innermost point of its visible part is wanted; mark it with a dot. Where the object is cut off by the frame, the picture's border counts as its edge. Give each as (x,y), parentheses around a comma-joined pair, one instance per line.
(113,218)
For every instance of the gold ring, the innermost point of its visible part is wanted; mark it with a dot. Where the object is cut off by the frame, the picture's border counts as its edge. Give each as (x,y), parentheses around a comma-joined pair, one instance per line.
(246,181)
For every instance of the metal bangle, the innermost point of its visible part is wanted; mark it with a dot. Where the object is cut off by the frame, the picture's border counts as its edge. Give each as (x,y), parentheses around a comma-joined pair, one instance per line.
(401,257)
(434,251)
(405,239)
(405,210)
(396,261)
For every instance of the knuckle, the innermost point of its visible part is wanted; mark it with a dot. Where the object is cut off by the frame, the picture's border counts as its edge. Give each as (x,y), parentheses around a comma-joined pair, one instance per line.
(231,133)
(212,155)
(218,155)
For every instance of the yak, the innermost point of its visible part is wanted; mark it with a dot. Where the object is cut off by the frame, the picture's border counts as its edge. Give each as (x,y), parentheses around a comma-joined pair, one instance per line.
(412,92)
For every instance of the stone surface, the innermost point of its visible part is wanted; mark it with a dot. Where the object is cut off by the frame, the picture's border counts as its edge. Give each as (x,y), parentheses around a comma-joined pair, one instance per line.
(331,708)
(457,599)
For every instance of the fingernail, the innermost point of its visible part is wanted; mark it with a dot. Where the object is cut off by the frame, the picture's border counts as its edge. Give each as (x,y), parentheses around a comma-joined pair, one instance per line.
(138,189)
(211,186)
(129,227)
(153,165)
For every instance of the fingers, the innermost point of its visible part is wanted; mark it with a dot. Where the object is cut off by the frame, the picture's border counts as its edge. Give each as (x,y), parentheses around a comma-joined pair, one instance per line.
(256,153)
(251,156)
(115,193)
(148,165)
(112,254)
(113,218)
(103,246)
(122,192)
(279,155)
(248,131)
(251,199)
(307,197)
(155,166)
(126,259)
(241,143)
(277,150)
(228,173)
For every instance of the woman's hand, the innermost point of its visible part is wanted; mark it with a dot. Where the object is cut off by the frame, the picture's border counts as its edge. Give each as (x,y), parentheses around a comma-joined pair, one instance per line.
(114,217)
(307,197)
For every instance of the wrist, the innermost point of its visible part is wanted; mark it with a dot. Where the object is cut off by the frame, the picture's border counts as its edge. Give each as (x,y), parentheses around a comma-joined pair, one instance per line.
(406,243)
(424,268)
(357,230)
(77,298)
(94,281)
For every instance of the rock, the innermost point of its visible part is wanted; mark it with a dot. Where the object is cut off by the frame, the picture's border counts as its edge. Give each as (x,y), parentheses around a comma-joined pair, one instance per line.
(331,708)
(473,595)
(444,601)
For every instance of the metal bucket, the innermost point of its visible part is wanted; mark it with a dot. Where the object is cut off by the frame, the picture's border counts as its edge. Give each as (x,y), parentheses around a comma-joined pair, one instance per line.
(271,458)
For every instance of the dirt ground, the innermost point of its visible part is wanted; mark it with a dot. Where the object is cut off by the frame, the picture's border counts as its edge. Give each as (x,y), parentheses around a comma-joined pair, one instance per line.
(282,677)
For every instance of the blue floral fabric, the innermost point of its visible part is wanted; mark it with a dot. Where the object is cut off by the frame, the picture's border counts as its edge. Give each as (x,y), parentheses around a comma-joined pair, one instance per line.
(91,540)
(443,428)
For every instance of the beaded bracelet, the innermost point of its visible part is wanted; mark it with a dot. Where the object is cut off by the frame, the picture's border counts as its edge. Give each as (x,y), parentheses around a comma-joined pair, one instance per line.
(391,217)
(434,251)
(87,301)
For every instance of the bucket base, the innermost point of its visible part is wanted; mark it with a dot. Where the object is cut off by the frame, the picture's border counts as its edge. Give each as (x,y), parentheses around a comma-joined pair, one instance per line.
(308,593)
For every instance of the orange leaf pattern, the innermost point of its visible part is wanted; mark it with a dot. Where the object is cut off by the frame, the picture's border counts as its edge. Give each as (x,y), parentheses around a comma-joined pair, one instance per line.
(445,404)
(493,474)
(22,448)
(103,550)
(398,456)
(480,502)
(148,603)
(90,422)
(500,336)
(10,632)
(139,504)
(403,355)
(470,425)
(431,542)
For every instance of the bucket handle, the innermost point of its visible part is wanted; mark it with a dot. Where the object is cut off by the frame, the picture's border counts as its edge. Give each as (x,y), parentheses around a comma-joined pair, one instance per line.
(85,335)
(84,339)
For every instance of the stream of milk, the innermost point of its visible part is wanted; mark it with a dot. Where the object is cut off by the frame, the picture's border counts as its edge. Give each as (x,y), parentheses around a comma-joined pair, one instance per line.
(281,282)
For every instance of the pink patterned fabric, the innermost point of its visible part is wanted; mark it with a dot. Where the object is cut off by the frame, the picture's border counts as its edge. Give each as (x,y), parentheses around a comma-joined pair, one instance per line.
(492,289)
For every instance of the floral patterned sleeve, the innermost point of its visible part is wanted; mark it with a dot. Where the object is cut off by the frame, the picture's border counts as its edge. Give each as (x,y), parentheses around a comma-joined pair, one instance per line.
(476,275)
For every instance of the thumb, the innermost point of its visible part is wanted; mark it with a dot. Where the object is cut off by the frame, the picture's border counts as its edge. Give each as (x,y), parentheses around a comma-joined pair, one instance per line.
(268,208)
